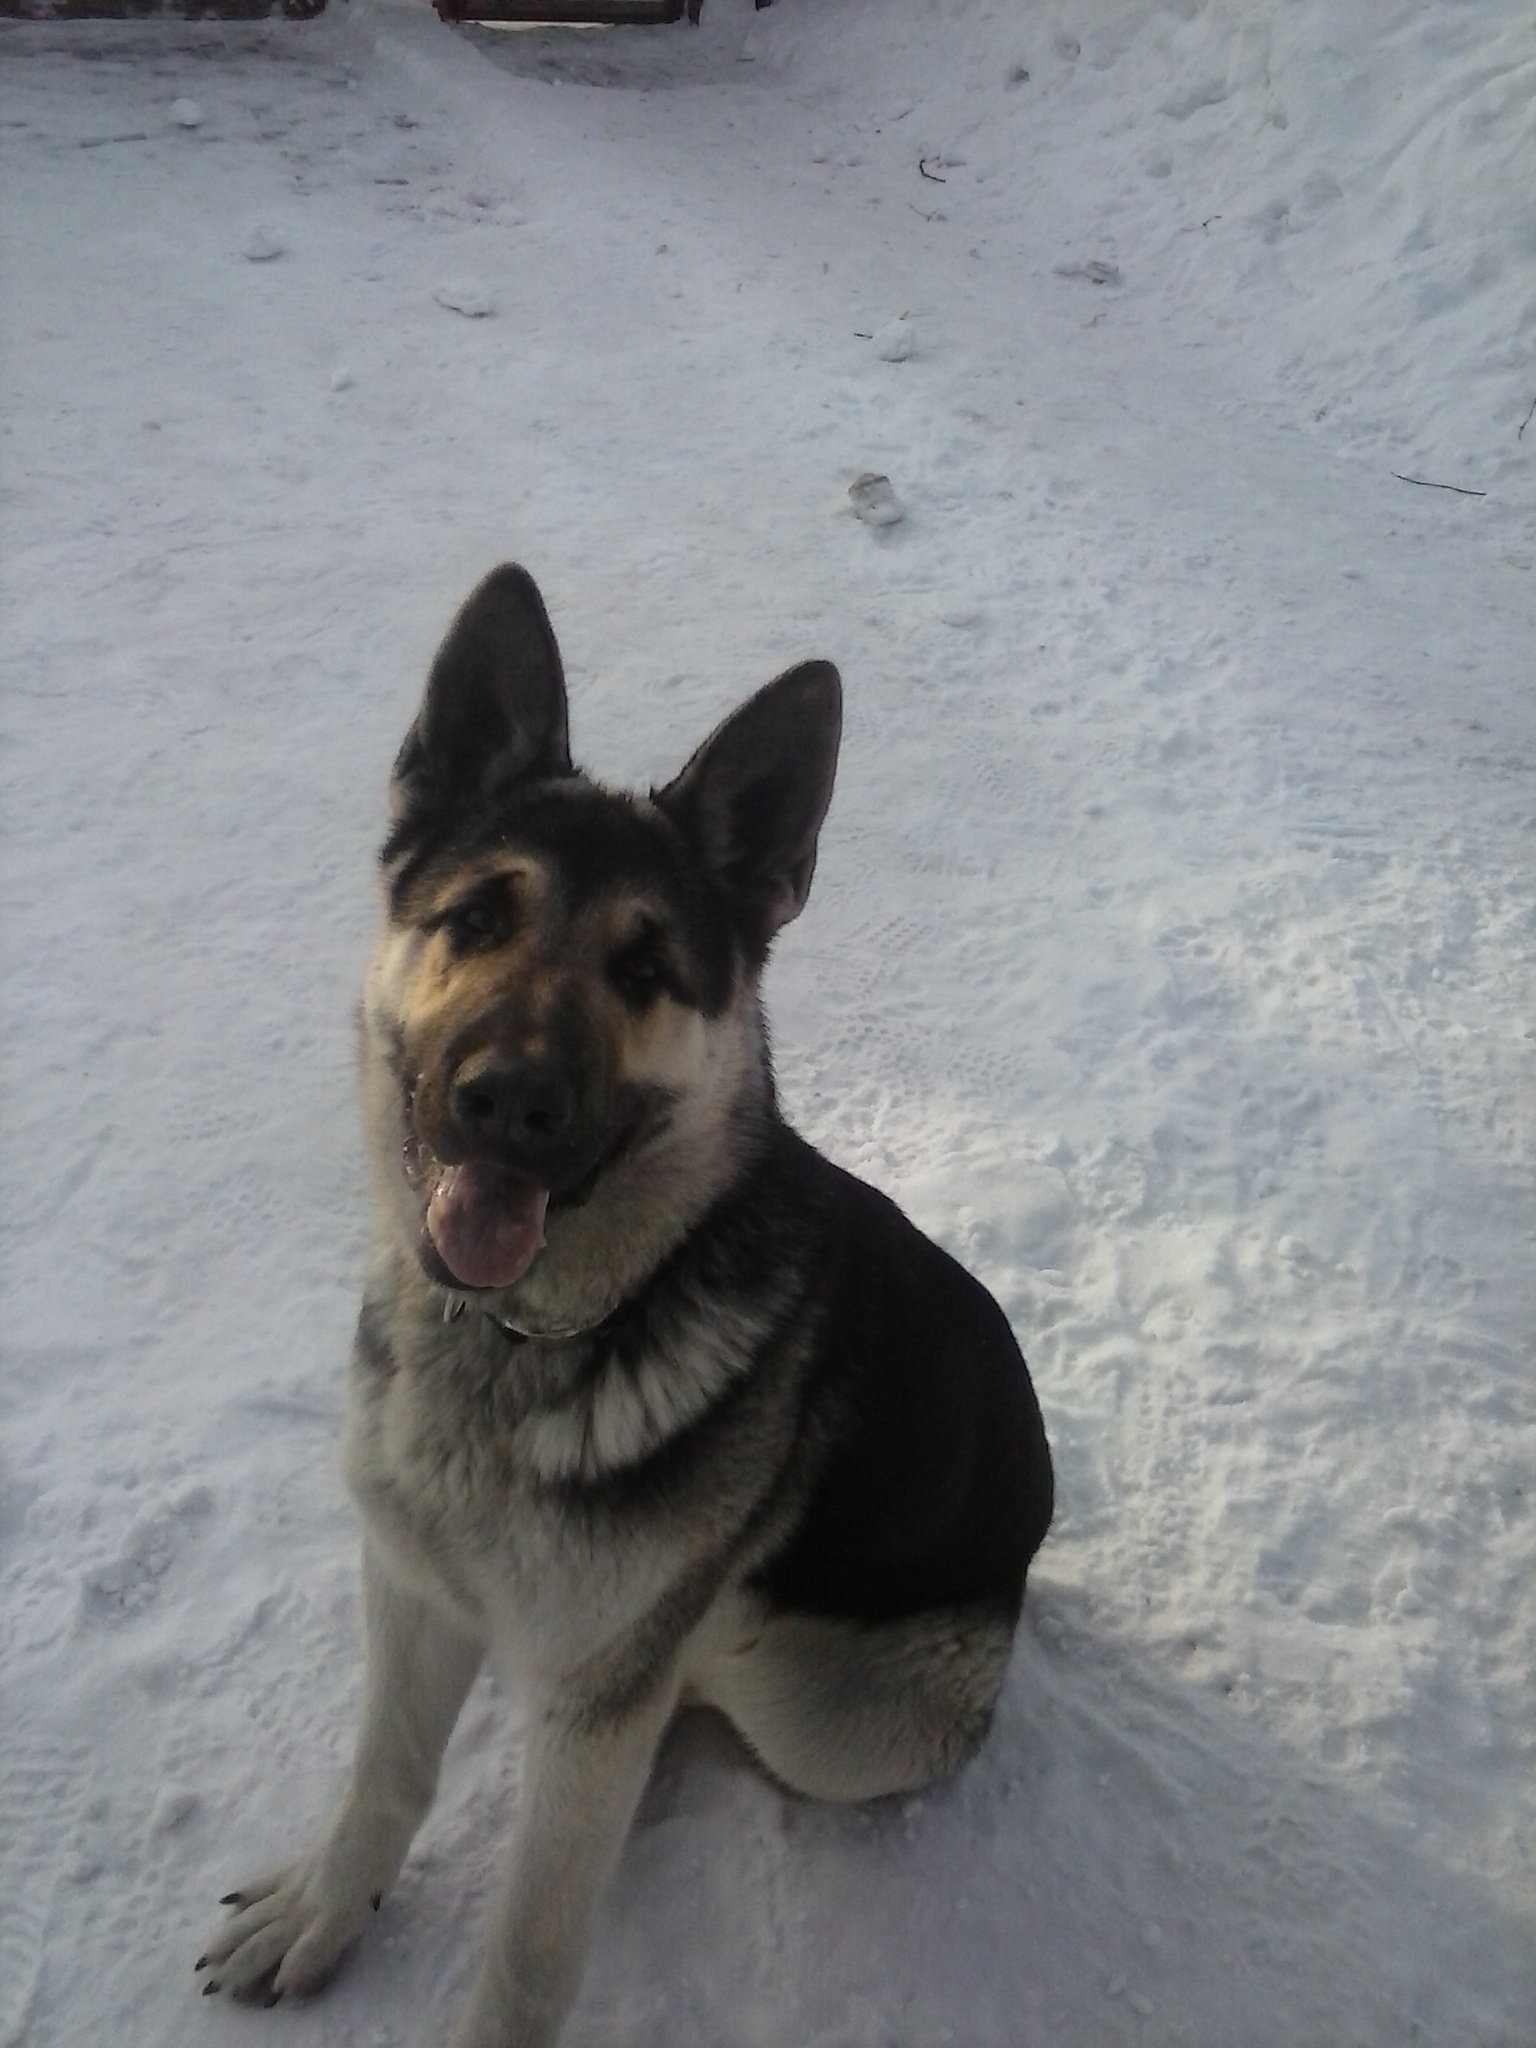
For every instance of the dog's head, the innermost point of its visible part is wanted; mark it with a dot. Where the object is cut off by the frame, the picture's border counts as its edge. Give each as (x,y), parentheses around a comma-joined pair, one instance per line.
(562,1010)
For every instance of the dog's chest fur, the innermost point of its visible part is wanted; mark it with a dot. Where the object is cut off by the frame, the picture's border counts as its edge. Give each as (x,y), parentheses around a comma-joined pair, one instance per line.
(555,1494)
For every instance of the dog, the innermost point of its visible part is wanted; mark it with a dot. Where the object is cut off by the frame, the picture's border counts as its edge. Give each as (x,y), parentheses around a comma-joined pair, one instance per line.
(648,1400)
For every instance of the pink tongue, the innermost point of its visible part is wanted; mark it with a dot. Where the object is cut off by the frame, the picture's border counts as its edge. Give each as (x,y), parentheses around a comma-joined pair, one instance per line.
(487,1224)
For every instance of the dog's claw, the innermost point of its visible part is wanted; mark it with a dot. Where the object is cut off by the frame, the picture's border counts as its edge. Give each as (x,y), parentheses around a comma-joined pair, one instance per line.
(272,1998)
(233,1899)
(378,1900)
(200,1964)
(210,1987)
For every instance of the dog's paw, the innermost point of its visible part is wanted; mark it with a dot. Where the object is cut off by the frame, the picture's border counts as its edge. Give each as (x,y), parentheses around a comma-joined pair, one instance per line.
(286,1934)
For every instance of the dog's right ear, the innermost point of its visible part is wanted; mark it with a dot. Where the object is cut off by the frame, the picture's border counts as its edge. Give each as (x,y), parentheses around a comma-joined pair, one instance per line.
(753,797)
(494,711)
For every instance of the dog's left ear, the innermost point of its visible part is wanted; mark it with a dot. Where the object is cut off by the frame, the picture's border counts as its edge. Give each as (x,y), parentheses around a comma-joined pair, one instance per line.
(495,708)
(753,797)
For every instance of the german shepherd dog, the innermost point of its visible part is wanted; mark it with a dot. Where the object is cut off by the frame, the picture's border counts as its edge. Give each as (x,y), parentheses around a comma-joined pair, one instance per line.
(648,1400)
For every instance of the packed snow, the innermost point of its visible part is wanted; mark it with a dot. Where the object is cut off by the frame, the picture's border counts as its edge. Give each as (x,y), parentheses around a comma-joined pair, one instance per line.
(1170,956)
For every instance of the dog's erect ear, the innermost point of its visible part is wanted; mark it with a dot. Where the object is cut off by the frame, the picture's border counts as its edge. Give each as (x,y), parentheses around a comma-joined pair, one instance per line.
(753,797)
(494,711)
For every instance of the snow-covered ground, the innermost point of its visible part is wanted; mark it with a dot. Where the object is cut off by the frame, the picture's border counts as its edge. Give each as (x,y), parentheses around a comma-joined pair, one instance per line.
(1170,957)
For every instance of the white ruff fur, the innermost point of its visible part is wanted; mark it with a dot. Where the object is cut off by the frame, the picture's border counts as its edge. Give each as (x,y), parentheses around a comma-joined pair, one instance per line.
(631,1409)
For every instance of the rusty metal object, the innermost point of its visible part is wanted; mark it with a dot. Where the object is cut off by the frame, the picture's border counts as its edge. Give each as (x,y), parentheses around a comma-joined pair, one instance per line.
(565,13)
(151,10)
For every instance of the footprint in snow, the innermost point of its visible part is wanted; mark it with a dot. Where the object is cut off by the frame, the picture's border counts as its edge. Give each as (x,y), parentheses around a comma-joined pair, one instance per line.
(39,1802)
(132,1580)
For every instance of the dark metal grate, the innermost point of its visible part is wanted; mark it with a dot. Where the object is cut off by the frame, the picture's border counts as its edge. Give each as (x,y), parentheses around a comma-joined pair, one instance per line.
(565,13)
(149,10)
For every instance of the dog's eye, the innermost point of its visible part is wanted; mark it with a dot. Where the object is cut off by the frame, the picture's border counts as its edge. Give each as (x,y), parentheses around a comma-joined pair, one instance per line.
(480,921)
(639,970)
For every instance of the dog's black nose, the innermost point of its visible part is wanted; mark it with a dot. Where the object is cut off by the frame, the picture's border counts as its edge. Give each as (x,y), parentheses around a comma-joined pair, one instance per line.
(514,1102)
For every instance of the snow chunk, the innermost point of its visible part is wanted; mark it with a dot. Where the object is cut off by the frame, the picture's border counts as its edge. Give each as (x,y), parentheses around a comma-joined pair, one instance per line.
(1097,270)
(893,341)
(186,113)
(263,243)
(874,501)
(173,1805)
(475,301)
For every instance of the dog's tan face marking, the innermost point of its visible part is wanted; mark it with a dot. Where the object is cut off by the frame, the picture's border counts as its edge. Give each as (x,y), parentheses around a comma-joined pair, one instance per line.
(495,951)
(493,968)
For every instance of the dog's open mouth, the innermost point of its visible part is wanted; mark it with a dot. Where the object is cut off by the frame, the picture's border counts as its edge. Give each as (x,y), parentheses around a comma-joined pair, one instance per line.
(486,1223)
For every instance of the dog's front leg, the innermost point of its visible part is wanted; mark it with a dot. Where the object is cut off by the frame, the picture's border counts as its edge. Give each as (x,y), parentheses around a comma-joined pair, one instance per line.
(289,1927)
(582,1781)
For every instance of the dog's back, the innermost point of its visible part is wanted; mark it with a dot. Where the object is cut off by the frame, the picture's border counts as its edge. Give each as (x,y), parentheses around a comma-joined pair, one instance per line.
(936,1485)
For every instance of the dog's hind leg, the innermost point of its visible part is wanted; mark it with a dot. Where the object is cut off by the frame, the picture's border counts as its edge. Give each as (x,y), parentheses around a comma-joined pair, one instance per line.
(847,1710)
(290,1927)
